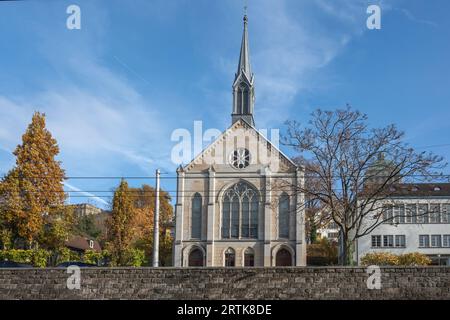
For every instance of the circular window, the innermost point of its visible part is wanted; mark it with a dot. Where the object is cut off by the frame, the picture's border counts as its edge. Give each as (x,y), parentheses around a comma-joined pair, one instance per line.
(240,158)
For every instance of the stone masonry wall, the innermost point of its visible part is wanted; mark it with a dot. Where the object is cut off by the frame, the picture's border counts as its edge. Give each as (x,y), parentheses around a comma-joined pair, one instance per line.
(227,283)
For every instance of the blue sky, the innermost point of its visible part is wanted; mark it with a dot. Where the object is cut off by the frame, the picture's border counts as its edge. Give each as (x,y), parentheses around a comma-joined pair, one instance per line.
(114,91)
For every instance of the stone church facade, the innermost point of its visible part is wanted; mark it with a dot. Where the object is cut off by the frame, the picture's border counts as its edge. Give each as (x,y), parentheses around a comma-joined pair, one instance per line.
(236,203)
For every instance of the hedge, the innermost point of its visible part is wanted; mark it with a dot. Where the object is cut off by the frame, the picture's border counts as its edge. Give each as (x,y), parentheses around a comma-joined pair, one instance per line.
(389,259)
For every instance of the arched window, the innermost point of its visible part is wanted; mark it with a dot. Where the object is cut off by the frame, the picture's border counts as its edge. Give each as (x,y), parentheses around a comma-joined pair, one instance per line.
(283,258)
(240,212)
(283,216)
(239,101)
(196,258)
(196,217)
(249,258)
(230,258)
(242,99)
(245,101)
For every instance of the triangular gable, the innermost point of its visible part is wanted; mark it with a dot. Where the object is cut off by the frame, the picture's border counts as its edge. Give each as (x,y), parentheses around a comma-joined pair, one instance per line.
(234,126)
(247,78)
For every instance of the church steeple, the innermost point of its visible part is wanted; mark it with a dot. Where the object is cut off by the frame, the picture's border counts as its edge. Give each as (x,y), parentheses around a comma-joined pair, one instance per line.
(243,89)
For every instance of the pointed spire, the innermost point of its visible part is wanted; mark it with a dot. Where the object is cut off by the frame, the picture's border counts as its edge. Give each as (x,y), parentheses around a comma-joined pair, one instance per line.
(243,85)
(244,58)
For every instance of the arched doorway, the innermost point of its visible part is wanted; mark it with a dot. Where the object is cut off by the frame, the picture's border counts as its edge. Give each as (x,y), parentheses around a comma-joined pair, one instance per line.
(283,258)
(196,258)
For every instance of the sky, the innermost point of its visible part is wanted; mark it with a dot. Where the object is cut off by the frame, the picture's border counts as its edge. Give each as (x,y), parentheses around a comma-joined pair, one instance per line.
(115,90)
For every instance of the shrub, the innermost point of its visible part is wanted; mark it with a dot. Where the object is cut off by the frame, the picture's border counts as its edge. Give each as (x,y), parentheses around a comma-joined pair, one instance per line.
(135,257)
(65,255)
(414,259)
(322,253)
(16,255)
(380,259)
(36,257)
(389,259)
(92,257)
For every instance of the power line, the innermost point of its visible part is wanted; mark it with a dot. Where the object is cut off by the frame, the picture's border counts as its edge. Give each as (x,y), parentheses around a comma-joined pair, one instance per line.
(205,175)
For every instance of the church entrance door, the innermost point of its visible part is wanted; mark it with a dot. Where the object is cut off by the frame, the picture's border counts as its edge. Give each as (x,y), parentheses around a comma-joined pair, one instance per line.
(196,258)
(283,258)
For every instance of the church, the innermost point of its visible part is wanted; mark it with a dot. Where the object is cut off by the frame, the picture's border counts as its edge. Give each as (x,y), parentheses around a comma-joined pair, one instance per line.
(236,202)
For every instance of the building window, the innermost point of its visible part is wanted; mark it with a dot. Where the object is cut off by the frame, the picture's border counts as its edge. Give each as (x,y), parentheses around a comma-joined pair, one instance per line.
(254,217)
(446,240)
(249,258)
(245,102)
(333,235)
(387,214)
(196,218)
(235,206)
(240,212)
(226,218)
(283,216)
(435,214)
(230,258)
(239,101)
(400,241)
(399,213)
(376,241)
(424,241)
(445,213)
(245,225)
(422,215)
(388,241)
(240,158)
(411,213)
(436,241)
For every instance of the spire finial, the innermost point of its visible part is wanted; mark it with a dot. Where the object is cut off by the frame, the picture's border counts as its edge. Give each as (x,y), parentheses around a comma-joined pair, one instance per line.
(245,12)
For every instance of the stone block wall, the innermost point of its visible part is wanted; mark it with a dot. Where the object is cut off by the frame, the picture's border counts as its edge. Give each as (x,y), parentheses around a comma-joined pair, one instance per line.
(227,283)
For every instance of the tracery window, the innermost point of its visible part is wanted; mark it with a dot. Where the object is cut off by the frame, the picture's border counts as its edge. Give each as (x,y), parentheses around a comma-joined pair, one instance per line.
(240,212)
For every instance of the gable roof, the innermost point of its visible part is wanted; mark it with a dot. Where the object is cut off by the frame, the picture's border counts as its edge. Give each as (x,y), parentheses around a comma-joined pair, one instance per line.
(82,243)
(241,122)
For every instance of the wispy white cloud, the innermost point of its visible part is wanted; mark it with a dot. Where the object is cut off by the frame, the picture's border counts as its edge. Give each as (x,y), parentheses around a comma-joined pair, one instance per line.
(413,18)
(98,200)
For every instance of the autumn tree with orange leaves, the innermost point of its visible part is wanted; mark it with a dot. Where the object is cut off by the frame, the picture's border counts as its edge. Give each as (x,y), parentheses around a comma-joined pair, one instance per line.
(32,192)
(143,222)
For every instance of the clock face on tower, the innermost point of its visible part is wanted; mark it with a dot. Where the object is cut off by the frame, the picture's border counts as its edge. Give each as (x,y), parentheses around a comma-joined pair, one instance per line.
(240,158)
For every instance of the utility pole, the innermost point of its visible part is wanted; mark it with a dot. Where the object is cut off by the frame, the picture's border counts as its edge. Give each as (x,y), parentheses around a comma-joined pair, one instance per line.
(156,224)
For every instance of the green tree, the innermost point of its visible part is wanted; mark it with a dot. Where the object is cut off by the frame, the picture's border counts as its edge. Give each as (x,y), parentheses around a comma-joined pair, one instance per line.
(86,226)
(33,189)
(57,229)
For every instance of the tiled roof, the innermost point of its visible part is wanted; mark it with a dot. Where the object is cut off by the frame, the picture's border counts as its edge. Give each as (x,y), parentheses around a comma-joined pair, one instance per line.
(420,190)
(82,243)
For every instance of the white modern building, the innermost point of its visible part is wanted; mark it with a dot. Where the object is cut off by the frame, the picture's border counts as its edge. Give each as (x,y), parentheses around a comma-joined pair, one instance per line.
(418,221)
(329,231)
